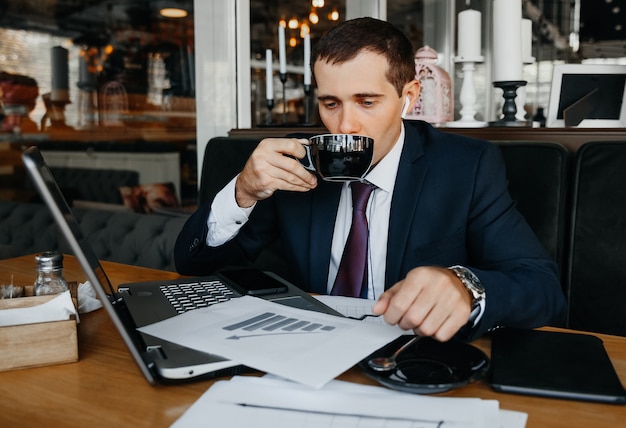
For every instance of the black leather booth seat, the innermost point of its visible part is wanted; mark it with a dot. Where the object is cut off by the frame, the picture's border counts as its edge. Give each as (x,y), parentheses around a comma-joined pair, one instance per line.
(597,252)
(578,213)
(537,174)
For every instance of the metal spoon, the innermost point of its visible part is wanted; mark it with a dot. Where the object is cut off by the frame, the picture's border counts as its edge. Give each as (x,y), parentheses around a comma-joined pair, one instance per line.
(386,364)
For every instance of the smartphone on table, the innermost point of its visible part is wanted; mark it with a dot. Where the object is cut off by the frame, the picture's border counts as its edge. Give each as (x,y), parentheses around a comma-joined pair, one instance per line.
(253,281)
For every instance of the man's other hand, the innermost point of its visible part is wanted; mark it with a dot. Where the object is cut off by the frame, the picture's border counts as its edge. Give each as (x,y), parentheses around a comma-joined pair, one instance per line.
(431,301)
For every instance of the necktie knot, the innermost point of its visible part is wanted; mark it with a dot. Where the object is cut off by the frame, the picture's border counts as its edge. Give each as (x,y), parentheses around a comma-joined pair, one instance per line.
(360,194)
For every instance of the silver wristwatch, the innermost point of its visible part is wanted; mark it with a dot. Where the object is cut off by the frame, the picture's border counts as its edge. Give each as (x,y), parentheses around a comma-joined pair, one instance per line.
(473,286)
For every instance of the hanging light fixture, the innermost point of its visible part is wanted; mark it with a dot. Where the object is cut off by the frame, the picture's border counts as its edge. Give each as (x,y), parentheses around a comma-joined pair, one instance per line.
(170,9)
(334,15)
(172,12)
(313,17)
(317,3)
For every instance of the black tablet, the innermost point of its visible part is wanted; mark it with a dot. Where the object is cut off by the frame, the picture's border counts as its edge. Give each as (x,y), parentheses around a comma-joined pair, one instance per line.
(554,364)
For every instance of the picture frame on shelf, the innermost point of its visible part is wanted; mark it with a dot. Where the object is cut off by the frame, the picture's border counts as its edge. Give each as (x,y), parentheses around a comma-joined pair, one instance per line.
(588,96)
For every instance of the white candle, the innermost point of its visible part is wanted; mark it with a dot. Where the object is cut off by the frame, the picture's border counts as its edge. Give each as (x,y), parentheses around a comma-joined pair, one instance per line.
(281,50)
(307,59)
(527,40)
(468,38)
(269,84)
(507,43)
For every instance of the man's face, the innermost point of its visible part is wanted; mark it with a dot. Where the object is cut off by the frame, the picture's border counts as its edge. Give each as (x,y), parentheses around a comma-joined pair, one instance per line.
(355,97)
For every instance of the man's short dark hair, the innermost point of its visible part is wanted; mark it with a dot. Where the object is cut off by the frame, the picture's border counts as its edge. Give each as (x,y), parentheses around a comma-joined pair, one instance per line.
(349,38)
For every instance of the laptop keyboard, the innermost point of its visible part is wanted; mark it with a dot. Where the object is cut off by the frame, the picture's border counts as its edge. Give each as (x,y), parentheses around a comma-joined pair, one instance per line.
(193,295)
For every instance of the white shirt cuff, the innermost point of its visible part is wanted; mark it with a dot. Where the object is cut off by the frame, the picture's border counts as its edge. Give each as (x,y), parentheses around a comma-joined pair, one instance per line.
(481,311)
(226,217)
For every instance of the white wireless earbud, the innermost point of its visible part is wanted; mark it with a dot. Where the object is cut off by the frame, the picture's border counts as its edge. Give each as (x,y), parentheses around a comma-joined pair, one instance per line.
(405,109)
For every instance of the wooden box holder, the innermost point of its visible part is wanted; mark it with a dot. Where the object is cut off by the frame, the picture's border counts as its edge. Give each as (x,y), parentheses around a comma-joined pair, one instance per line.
(38,344)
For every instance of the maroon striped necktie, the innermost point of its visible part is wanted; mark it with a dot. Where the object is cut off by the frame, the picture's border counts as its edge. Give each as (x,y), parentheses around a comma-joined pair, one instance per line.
(352,274)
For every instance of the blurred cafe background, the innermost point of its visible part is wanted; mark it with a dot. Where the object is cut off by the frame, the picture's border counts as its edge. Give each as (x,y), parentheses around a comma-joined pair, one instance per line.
(164,76)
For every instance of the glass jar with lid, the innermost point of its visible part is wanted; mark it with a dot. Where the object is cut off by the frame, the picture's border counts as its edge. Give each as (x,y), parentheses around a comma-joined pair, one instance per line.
(50,278)
(435,103)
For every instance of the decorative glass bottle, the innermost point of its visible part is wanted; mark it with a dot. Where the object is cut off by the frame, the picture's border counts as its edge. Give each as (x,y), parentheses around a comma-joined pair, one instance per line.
(50,278)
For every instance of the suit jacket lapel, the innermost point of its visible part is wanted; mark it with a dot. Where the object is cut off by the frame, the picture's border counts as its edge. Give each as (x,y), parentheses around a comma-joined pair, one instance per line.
(411,172)
(325,201)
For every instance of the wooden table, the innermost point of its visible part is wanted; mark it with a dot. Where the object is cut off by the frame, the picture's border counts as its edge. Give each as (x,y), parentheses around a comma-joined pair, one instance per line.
(105,388)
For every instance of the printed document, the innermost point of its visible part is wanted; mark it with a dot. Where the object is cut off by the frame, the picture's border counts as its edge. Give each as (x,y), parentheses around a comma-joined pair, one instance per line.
(272,402)
(304,346)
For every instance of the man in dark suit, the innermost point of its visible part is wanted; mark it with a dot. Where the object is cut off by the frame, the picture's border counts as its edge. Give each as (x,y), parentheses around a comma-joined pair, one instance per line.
(449,254)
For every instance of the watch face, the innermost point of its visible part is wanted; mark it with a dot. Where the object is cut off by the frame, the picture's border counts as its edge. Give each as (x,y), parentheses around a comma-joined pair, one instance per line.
(471,283)
(476,290)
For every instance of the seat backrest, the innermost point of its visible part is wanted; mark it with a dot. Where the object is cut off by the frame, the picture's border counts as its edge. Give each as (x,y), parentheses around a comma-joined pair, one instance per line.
(538,175)
(597,257)
(224,157)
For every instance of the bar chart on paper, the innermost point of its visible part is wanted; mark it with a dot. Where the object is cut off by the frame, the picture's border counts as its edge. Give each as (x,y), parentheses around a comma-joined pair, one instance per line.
(270,323)
(275,338)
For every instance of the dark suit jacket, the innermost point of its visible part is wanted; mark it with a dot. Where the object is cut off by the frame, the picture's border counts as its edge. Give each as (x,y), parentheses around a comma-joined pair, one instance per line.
(450,206)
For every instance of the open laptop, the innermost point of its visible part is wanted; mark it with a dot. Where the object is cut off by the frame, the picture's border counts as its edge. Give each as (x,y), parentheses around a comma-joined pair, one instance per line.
(135,305)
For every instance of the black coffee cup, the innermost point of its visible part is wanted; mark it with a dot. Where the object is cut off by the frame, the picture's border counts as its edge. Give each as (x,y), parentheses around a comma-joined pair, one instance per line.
(339,157)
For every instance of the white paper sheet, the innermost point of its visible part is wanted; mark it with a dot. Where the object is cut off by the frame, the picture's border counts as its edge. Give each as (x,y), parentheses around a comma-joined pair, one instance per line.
(304,346)
(354,307)
(58,309)
(351,306)
(275,403)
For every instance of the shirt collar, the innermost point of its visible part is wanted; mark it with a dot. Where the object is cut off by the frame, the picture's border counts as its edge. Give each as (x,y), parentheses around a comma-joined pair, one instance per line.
(383,175)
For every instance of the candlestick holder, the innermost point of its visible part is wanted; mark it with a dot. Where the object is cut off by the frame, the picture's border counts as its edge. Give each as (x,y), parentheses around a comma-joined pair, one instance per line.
(520,99)
(509,109)
(520,102)
(270,106)
(283,80)
(467,97)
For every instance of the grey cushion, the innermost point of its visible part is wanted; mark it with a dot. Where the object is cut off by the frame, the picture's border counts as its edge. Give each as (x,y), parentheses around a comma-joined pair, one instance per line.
(124,237)
(26,228)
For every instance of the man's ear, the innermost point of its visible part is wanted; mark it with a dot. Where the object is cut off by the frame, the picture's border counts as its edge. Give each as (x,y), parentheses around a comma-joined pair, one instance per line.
(412,90)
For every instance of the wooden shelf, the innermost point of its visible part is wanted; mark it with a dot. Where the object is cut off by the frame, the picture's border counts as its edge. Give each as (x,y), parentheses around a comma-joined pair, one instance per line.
(572,138)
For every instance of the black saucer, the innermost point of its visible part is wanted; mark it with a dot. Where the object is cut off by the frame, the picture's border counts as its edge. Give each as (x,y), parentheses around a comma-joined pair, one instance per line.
(429,366)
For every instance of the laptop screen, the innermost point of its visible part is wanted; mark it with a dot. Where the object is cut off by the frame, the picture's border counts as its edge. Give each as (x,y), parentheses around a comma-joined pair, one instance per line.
(49,190)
